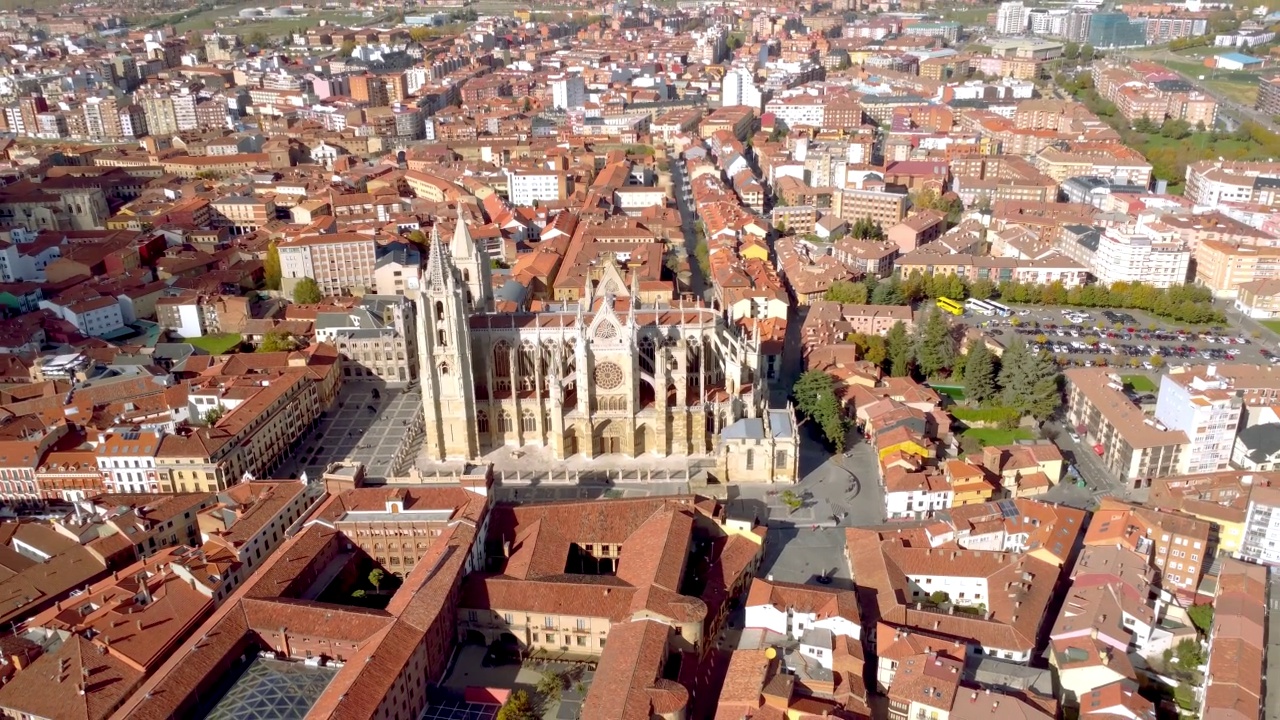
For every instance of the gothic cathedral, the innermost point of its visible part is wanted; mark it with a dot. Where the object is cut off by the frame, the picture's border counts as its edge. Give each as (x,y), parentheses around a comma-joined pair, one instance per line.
(608,374)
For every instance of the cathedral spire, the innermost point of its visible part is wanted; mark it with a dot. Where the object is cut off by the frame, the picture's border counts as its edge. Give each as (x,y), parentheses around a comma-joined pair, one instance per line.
(436,271)
(463,246)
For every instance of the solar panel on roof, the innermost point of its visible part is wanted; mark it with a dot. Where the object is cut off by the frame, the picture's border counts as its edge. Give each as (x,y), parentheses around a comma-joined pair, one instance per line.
(1007,508)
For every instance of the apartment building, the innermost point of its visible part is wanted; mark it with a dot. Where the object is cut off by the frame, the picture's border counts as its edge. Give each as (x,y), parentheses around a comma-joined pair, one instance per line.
(531,187)
(1115,163)
(376,339)
(870,201)
(1008,592)
(1175,545)
(1133,446)
(262,416)
(1210,183)
(1125,256)
(1259,298)
(1262,526)
(1206,407)
(242,214)
(1227,268)
(250,520)
(1268,101)
(340,263)
(127,461)
(1050,267)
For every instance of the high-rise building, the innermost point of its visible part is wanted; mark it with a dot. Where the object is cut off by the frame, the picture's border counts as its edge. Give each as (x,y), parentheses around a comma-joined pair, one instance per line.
(568,91)
(1011,18)
(1205,406)
(1115,29)
(739,88)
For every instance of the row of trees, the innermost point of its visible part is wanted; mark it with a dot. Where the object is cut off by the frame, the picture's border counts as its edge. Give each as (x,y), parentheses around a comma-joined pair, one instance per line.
(1183,303)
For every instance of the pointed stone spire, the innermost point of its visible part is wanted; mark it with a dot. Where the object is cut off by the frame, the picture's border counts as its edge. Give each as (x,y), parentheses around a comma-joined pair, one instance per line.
(435,260)
(634,299)
(462,246)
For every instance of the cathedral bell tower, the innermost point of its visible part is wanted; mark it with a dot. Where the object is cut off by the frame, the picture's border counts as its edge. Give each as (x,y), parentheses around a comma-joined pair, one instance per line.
(444,347)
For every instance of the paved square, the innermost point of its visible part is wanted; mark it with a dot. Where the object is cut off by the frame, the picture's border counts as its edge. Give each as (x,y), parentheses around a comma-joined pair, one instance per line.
(353,432)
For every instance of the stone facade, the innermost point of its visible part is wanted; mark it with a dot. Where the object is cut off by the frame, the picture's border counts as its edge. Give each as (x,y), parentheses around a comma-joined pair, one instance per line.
(610,376)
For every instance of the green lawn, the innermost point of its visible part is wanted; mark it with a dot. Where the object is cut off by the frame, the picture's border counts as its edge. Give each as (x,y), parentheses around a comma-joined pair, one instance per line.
(996,436)
(1272,325)
(955,392)
(217,344)
(968,15)
(1139,383)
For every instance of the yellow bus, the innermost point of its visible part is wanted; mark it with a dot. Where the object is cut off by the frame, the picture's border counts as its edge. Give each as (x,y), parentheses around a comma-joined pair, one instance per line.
(950,306)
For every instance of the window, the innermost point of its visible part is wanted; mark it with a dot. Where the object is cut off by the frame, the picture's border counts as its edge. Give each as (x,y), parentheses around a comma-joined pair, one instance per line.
(582,624)
(582,641)
(506,617)
(751,459)
(549,622)
(482,421)
(781,459)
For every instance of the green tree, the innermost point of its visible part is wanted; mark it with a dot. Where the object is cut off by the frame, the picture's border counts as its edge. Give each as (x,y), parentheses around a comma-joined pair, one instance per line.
(213,415)
(791,500)
(307,292)
(375,577)
(276,341)
(979,372)
(939,597)
(348,47)
(897,345)
(1202,617)
(517,707)
(259,38)
(865,228)
(982,289)
(417,237)
(889,292)
(815,396)
(550,685)
(946,203)
(1188,655)
(870,347)
(1185,697)
(419,34)
(1029,381)
(844,291)
(935,347)
(271,266)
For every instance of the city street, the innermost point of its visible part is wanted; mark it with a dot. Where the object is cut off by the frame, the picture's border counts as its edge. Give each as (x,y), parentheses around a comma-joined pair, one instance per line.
(1273,637)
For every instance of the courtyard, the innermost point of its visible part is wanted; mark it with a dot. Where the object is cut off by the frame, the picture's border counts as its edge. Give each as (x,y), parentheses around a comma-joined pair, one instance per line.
(469,671)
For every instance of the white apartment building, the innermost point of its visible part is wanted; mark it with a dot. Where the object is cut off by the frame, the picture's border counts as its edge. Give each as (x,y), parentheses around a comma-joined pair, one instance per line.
(528,187)
(799,109)
(340,263)
(1210,183)
(1126,256)
(95,317)
(19,266)
(739,88)
(1262,527)
(127,461)
(1207,408)
(568,91)
(1012,18)
(792,610)
(914,494)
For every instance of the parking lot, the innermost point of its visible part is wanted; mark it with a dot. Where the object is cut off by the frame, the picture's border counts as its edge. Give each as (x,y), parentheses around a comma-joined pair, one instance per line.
(1079,336)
